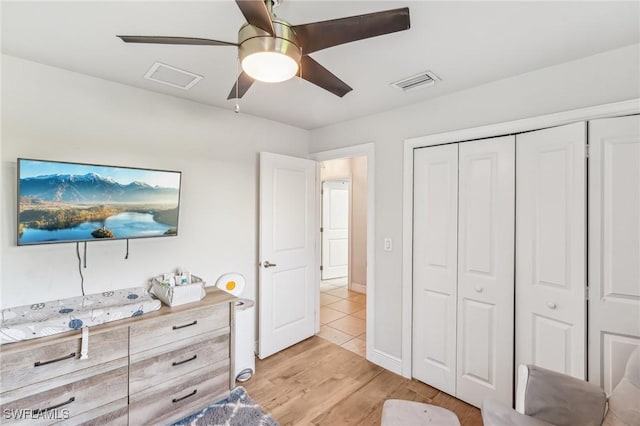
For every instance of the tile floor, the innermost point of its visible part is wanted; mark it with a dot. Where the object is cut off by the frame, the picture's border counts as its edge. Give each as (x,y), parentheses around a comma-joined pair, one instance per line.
(342,316)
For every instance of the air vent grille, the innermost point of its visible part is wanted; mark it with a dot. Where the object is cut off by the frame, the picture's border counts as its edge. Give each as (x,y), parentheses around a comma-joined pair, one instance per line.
(424,79)
(172,76)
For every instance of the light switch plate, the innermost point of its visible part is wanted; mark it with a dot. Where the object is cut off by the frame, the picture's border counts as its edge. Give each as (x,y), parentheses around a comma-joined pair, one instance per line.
(388,244)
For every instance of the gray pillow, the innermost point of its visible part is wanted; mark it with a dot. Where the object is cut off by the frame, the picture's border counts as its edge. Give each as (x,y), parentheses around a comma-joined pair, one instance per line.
(563,400)
(625,398)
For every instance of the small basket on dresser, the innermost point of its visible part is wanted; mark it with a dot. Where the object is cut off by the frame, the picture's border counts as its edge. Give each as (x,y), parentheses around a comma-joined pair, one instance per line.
(175,295)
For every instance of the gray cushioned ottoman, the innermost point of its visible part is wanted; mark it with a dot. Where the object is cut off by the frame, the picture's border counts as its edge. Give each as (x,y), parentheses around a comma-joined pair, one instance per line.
(396,412)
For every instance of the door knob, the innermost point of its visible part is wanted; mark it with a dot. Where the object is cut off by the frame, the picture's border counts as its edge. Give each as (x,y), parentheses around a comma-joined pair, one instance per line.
(268,264)
(478,289)
(551,305)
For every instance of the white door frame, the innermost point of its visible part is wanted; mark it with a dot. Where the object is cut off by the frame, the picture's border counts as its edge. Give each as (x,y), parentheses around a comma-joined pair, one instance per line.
(363,150)
(631,106)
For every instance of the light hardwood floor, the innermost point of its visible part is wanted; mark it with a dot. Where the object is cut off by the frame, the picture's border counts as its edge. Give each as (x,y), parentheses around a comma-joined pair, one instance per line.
(343,315)
(319,383)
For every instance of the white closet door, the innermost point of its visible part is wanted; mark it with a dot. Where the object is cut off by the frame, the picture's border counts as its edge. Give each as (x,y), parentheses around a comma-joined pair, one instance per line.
(485,270)
(550,249)
(435,265)
(614,247)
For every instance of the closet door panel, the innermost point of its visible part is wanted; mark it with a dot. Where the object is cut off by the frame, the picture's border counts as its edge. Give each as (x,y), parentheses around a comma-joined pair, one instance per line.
(435,265)
(551,249)
(614,247)
(485,270)
(477,331)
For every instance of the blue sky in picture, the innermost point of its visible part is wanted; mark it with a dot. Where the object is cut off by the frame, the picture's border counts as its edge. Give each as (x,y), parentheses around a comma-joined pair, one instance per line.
(122,175)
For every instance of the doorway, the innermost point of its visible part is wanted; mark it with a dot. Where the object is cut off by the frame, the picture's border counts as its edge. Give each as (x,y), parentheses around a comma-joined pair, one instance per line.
(291,182)
(343,268)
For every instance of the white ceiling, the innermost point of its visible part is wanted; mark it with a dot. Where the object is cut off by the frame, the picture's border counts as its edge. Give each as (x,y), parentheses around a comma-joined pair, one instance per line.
(464,43)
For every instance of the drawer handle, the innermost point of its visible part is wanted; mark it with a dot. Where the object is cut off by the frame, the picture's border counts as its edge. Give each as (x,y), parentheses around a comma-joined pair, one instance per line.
(53,407)
(177,327)
(174,400)
(41,363)
(184,361)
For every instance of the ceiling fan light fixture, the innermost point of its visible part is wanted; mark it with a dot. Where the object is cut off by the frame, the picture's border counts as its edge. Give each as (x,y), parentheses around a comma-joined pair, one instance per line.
(270,49)
(270,67)
(267,58)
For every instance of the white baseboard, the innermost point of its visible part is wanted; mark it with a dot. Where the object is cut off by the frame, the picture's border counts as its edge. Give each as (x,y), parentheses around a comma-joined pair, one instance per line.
(385,360)
(358,288)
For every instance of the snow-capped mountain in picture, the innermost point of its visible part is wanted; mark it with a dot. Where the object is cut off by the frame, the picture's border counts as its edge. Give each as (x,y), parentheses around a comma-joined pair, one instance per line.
(92,188)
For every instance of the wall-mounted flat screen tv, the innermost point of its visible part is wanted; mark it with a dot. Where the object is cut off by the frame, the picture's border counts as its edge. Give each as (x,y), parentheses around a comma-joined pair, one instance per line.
(62,202)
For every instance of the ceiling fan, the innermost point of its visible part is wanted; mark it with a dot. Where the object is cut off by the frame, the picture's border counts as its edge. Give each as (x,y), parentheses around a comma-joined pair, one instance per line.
(272,50)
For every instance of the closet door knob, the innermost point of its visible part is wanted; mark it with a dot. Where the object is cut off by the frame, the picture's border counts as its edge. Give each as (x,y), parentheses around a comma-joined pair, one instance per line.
(479,289)
(551,305)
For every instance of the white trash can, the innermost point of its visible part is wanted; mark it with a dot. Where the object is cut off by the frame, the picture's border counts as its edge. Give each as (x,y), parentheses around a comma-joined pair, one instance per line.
(245,361)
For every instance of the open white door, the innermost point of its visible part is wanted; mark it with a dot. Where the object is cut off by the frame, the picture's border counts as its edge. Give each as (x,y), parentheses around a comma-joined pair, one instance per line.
(335,229)
(287,297)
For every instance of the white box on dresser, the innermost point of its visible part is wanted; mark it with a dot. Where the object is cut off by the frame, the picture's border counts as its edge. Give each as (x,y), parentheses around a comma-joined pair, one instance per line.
(151,369)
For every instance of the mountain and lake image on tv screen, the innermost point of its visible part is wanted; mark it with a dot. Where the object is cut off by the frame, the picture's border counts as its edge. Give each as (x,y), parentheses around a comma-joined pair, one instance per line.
(68,202)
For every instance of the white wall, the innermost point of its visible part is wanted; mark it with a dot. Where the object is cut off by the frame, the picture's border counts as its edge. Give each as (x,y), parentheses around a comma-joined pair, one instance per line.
(50,113)
(607,77)
(1,181)
(340,168)
(359,221)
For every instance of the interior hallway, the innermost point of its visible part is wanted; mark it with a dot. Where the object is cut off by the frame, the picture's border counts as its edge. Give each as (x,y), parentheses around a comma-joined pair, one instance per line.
(343,315)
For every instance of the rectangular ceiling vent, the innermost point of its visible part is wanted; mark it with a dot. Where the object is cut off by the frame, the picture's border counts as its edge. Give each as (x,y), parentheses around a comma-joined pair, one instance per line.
(172,76)
(424,79)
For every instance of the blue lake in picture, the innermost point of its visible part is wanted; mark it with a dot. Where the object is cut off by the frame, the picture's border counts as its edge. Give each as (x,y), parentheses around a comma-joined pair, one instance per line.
(123,225)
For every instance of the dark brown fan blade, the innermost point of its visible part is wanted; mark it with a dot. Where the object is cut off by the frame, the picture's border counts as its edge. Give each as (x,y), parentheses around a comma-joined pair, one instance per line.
(321,35)
(243,83)
(257,14)
(315,73)
(174,40)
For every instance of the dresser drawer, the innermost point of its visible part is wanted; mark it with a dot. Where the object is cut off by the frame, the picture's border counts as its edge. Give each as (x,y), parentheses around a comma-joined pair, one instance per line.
(69,400)
(180,325)
(180,397)
(154,366)
(113,414)
(30,362)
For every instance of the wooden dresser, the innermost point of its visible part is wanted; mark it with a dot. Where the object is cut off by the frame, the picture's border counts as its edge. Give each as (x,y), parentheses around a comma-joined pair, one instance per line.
(153,369)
